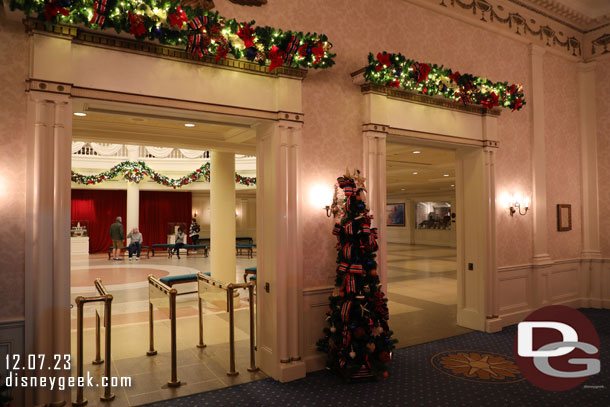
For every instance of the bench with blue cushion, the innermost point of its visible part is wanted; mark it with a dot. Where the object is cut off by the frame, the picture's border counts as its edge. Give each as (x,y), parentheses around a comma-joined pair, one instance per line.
(166,247)
(127,248)
(182,279)
(249,271)
(194,247)
(240,247)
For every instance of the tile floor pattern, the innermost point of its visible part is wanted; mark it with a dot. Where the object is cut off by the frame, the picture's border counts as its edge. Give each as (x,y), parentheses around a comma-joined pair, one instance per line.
(198,369)
(422,293)
(414,381)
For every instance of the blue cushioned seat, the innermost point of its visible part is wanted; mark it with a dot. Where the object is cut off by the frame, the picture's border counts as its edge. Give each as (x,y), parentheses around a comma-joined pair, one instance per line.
(253,277)
(251,269)
(182,278)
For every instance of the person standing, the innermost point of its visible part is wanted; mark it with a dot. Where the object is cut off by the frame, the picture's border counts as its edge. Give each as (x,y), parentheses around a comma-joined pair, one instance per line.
(135,245)
(194,232)
(179,242)
(117,234)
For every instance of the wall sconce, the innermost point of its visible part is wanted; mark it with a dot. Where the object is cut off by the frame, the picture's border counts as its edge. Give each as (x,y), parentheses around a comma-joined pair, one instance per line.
(319,196)
(516,205)
(195,214)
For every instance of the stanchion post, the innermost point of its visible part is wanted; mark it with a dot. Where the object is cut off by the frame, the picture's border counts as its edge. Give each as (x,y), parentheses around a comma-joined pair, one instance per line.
(151,331)
(201,344)
(98,360)
(108,395)
(252,367)
(80,399)
(174,382)
(231,306)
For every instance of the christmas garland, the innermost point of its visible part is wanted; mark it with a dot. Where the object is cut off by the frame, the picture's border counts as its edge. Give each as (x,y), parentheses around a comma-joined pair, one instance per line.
(201,32)
(394,70)
(134,171)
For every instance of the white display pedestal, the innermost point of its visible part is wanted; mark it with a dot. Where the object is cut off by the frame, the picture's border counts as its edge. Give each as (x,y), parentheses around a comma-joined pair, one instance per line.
(79,245)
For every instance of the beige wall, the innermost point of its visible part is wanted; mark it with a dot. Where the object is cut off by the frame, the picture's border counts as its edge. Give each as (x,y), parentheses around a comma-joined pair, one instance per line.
(603,151)
(332,131)
(13,72)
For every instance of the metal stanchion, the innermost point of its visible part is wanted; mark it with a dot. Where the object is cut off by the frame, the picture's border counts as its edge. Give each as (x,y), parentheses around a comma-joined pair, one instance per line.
(200,344)
(252,367)
(98,360)
(174,382)
(151,331)
(108,395)
(80,399)
(231,309)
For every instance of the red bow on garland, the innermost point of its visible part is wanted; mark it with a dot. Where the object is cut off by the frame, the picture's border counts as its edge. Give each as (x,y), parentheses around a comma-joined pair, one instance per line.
(246,33)
(421,71)
(518,104)
(490,101)
(178,18)
(319,54)
(100,10)
(384,60)
(136,26)
(51,9)
(455,77)
(277,58)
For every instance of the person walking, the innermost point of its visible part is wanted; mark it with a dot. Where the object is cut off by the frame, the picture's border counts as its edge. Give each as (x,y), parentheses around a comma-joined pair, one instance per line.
(194,233)
(179,242)
(135,245)
(117,234)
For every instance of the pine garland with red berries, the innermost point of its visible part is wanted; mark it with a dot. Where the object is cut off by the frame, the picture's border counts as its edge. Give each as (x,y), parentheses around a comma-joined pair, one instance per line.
(201,32)
(135,171)
(396,71)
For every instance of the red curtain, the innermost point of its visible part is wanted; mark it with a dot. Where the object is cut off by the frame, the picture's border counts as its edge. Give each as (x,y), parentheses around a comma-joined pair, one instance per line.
(100,208)
(160,210)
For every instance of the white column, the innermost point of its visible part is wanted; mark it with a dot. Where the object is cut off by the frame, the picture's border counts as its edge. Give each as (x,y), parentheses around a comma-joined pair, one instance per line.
(593,282)
(538,207)
(280,249)
(222,225)
(47,295)
(133,195)
(374,170)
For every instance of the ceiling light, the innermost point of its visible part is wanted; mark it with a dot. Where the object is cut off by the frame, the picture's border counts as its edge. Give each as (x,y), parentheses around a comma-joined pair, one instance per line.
(416,152)
(415,173)
(452,185)
(402,189)
(79,114)
(445,175)
(189,125)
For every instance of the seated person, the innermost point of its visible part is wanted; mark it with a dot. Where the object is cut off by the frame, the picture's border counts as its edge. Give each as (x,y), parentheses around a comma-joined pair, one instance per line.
(135,246)
(180,236)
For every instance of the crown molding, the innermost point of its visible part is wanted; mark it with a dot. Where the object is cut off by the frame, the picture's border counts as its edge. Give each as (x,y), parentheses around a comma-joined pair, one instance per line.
(565,14)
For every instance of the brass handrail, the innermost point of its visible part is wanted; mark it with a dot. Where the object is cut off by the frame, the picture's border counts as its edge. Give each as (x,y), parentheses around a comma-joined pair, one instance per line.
(155,283)
(106,298)
(229,288)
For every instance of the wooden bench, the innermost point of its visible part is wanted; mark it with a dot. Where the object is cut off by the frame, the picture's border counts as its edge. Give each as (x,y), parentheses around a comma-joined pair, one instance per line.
(127,248)
(195,247)
(250,271)
(248,247)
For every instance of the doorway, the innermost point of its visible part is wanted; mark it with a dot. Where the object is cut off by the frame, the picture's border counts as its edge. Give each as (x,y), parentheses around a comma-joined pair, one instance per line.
(421,234)
(175,144)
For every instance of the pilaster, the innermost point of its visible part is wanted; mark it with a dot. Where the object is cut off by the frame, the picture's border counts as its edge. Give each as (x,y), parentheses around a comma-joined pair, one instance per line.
(133,195)
(539,201)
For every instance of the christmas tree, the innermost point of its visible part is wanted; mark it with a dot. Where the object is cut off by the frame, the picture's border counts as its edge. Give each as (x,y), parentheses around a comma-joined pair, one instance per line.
(358,340)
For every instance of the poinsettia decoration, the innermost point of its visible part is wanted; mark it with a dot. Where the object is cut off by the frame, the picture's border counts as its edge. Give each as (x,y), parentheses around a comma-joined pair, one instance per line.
(135,171)
(187,24)
(394,70)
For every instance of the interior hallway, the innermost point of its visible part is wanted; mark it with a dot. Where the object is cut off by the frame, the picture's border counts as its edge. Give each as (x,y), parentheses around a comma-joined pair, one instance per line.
(422,293)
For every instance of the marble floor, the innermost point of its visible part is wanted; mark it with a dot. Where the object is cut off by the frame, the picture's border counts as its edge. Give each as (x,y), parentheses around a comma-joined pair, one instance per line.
(422,293)
(198,369)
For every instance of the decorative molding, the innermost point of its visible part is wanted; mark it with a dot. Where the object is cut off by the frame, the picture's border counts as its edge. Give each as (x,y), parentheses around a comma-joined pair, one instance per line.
(602,41)
(522,24)
(576,19)
(249,2)
(85,37)
(427,100)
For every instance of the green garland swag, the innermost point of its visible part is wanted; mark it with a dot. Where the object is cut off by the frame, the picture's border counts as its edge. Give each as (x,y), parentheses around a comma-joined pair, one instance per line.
(394,70)
(134,171)
(201,32)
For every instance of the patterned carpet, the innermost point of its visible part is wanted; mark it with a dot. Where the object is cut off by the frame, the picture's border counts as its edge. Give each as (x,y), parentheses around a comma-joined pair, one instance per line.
(431,374)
